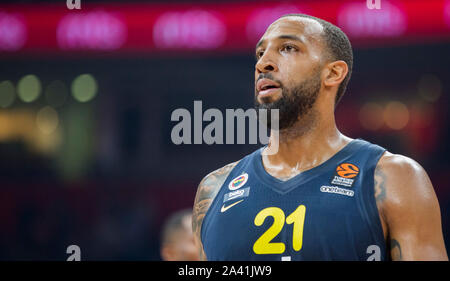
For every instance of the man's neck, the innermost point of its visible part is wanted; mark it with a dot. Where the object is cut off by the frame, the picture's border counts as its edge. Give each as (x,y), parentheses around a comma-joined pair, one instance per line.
(304,146)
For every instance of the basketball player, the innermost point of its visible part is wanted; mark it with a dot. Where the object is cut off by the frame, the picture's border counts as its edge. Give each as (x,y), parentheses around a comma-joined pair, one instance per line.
(177,239)
(323,195)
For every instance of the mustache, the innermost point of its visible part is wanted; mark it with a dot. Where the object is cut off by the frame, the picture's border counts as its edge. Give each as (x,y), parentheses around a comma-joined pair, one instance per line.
(269,75)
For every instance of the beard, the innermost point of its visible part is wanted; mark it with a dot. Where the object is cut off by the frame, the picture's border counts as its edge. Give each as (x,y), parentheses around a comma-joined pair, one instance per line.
(294,104)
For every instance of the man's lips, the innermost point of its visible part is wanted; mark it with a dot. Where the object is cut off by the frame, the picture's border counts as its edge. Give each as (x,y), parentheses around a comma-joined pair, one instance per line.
(268,92)
(266,87)
(265,84)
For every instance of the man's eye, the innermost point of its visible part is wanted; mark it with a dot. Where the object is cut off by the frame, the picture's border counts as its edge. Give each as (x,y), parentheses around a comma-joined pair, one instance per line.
(259,54)
(288,48)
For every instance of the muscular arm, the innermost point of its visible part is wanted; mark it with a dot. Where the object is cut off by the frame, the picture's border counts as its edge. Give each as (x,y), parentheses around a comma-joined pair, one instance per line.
(409,210)
(206,191)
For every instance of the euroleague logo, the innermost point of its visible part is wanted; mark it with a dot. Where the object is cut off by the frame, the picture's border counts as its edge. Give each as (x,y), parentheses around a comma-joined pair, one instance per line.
(347,170)
(345,174)
(238,182)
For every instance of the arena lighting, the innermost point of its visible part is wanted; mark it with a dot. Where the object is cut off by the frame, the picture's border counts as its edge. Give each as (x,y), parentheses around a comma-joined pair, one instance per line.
(96,30)
(371,116)
(135,29)
(193,29)
(396,115)
(13,31)
(358,21)
(84,88)
(29,88)
(47,120)
(7,93)
(447,13)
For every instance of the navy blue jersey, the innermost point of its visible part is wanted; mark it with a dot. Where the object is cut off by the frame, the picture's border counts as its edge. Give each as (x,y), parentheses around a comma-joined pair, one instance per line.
(325,213)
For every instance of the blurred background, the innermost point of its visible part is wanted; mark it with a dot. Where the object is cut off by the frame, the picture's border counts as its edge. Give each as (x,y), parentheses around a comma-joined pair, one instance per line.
(86,98)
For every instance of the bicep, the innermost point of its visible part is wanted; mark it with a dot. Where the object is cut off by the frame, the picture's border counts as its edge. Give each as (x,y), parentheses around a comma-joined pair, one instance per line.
(206,192)
(412,213)
(415,231)
(197,219)
(201,205)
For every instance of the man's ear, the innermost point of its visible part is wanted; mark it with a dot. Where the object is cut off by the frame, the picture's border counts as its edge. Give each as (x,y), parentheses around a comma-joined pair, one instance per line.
(335,73)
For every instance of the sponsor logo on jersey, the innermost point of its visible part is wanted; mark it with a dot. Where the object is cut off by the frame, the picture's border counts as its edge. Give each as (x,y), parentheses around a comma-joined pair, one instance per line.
(224,209)
(337,190)
(345,174)
(240,193)
(238,182)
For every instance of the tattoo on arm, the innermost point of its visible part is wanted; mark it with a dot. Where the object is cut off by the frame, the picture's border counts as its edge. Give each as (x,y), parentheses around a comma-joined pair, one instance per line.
(380,185)
(396,250)
(207,190)
(380,196)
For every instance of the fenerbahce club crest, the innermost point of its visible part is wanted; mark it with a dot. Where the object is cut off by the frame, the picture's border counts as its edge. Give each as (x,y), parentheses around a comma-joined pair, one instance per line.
(236,193)
(238,182)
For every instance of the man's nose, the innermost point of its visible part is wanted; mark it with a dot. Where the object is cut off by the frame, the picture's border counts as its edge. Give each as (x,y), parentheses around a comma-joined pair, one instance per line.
(265,64)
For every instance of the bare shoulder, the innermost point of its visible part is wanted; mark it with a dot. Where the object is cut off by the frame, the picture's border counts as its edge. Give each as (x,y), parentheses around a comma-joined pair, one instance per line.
(400,163)
(403,175)
(401,181)
(206,191)
(409,209)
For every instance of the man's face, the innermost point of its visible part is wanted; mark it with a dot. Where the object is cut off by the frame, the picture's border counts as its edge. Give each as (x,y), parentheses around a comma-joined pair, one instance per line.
(287,71)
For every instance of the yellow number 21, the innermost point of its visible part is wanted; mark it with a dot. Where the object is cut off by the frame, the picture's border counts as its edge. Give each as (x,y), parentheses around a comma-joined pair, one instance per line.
(263,244)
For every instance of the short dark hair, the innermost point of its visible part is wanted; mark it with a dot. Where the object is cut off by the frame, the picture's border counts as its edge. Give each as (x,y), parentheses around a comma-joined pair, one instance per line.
(173,224)
(338,46)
